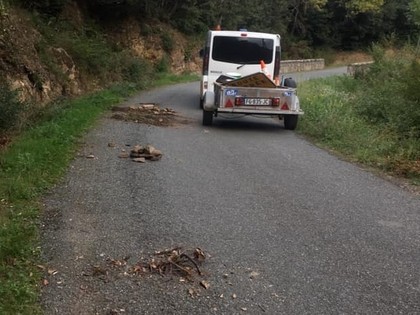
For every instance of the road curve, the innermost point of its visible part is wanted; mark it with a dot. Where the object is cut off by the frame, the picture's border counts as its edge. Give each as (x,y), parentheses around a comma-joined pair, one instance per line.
(288,228)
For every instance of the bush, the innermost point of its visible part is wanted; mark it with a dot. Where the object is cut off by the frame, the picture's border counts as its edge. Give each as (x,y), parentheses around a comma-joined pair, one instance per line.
(136,70)
(391,96)
(48,7)
(342,114)
(164,64)
(167,42)
(10,108)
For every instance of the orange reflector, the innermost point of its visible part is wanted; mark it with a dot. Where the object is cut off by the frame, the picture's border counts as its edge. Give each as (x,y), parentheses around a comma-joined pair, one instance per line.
(239,101)
(285,107)
(229,103)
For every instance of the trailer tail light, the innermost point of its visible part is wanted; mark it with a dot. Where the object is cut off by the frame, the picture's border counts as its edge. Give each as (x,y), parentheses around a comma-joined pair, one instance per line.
(285,106)
(275,101)
(239,101)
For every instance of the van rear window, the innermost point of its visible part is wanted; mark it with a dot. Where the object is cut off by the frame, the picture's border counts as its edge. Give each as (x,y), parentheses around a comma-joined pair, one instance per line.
(242,50)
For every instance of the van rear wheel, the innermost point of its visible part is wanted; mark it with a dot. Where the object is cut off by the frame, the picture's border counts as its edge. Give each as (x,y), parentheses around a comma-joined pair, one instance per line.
(207,118)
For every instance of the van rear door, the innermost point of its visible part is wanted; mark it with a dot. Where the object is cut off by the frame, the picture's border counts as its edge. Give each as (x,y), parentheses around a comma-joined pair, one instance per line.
(238,54)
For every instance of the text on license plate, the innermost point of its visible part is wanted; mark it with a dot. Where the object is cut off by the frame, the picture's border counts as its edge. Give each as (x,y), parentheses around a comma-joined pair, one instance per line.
(257,101)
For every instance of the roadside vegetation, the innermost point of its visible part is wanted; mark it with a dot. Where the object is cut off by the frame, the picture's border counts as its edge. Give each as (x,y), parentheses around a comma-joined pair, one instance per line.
(38,155)
(374,118)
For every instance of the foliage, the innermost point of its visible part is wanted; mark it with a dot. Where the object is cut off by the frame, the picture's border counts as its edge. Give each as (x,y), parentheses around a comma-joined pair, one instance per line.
(361,6)
(163,64)
(339,24)
(10,108)
(394,99)
(96,58)
(374,119)
(414,13)
(167,42)
(48,7)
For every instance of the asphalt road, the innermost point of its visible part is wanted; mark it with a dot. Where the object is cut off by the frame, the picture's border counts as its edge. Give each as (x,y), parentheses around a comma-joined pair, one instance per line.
(287,227)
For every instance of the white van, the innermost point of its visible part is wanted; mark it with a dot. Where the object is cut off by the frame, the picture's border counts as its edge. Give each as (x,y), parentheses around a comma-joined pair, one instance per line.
(237,54)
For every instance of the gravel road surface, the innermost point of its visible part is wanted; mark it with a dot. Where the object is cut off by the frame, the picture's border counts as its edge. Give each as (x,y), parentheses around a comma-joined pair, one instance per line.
(287,228)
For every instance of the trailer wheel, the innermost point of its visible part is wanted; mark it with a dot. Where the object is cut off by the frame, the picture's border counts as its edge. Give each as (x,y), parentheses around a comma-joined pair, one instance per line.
(290,122)
(201,102)
(207,118)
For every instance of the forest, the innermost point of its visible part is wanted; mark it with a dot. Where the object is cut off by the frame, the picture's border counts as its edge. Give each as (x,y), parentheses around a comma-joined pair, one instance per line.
(304,24)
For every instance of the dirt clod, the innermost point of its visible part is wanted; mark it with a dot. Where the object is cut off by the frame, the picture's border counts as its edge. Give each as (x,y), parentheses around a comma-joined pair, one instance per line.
(140,154)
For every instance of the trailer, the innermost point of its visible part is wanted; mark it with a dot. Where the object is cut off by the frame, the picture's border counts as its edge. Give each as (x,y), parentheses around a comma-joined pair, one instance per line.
(256,95)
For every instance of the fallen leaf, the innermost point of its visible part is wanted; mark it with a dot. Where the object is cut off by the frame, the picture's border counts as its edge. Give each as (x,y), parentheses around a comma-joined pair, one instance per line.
(45,282)
(254,274)
(234,296)
(244,309)
(192,292)
(205,284)
(199,255)
(90,156)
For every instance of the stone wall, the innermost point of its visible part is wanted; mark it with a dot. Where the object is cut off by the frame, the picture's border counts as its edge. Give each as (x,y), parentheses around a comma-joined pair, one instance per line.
(288,66)
(360,68)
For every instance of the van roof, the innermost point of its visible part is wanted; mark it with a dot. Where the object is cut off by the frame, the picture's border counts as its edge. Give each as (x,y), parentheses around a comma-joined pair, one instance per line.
(244,33)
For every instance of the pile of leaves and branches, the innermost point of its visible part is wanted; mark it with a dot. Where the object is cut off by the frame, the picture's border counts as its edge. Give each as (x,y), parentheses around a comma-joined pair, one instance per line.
(180,263)
(147,113)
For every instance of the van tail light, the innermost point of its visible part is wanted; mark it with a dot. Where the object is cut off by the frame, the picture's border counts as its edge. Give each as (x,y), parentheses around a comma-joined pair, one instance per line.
(275,101)
(285,106)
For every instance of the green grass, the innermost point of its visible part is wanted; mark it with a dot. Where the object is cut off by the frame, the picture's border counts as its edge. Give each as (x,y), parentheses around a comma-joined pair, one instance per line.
(168,78)
(35,161)
(333,120)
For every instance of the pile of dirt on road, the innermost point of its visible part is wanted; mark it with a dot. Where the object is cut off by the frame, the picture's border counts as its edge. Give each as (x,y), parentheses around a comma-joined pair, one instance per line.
(148,113)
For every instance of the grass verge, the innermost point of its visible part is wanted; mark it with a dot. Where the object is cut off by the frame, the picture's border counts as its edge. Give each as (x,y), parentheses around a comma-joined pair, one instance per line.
(333,120)
(31,164)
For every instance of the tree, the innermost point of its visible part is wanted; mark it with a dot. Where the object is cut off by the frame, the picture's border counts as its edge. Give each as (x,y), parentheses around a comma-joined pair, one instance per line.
(414,7)
(363,6)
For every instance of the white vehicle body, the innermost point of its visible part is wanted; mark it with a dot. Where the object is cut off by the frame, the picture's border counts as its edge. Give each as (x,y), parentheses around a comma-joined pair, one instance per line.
(238,53)
(241,75)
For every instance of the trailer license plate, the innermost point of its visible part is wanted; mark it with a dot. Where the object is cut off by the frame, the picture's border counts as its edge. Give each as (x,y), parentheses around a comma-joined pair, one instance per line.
(258,101)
